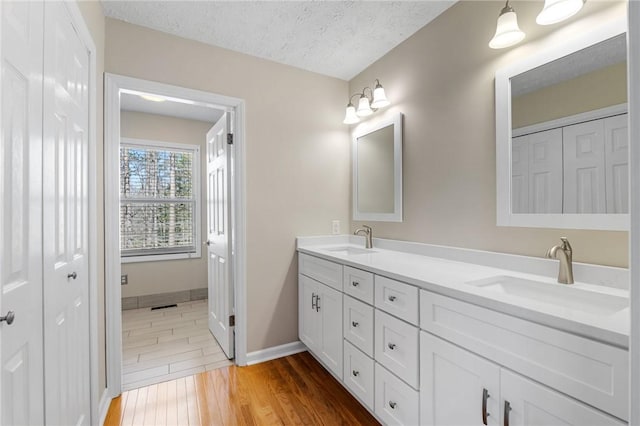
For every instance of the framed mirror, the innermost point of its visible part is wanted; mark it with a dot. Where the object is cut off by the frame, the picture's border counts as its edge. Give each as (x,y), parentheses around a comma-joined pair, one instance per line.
(562,135)
(377,170)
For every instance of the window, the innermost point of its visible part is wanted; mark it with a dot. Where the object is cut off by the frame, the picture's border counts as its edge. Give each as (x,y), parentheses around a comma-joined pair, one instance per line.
(159,212)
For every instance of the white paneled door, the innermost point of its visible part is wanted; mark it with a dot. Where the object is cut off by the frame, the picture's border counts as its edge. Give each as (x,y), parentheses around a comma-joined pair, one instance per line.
(65,220)
(21,360)
(219,240)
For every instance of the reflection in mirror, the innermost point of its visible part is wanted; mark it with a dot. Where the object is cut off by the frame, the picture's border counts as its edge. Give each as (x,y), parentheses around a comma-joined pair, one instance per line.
(569,133)
(377,170)
(561,133)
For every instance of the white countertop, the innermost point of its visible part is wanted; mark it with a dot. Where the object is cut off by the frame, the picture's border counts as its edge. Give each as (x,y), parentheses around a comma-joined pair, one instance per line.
(450,277)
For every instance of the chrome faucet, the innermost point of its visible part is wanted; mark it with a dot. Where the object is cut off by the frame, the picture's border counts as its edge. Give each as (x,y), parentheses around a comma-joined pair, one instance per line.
(368,242)
(564,253)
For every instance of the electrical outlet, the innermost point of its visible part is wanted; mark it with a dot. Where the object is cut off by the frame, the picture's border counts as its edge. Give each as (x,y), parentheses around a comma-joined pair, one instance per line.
(335,227)
(124,279)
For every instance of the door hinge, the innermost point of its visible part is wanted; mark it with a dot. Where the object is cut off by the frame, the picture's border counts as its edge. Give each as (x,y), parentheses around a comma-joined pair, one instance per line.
(232,320)
(230,138)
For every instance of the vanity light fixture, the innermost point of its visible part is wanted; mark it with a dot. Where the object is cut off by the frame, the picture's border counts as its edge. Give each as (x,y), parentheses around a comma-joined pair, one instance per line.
(507,31)
(367,105)
(555,11)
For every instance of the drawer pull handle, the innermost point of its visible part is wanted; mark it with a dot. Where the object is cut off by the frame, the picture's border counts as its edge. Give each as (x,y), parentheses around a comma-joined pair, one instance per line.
(313,301)
(485,396)
(392,405)
(392,298)
(355,373)
(392,346)
(354,323)
(318,303)
(355,283)
(507,408)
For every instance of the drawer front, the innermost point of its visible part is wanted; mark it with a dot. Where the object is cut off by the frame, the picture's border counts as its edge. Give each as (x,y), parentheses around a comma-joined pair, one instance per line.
(358,324)
(326,272)
(358,284)
(396,347)
(396,403)
(589,371)
(358,374)
(397,298)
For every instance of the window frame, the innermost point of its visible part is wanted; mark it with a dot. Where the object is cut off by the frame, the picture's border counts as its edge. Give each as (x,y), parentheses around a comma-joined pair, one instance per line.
(197,200)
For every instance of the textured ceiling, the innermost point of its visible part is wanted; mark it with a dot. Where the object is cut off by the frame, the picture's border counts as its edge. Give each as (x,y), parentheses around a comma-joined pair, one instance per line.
(334,38)
(593,58)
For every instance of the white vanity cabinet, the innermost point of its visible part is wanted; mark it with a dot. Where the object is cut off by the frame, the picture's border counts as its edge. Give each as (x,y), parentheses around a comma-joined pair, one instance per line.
(461,388)
(320,311)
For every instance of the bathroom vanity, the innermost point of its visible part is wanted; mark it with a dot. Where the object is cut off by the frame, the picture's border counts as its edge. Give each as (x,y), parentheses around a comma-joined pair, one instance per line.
(433,335)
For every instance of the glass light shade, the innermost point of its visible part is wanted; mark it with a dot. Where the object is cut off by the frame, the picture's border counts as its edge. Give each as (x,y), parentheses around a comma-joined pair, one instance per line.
(379,98)
(364,108)
(555,11)
(350,116)
(507,31)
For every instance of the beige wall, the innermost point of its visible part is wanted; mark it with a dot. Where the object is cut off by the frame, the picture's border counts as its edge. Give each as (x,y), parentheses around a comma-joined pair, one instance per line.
(442,79)
(298,161)
(598,89)
(172,275)
(94,18)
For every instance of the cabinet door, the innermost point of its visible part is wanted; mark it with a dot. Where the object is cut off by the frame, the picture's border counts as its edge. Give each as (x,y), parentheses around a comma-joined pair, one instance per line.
(309,318)
(329,306)
(453,385)
(530,403)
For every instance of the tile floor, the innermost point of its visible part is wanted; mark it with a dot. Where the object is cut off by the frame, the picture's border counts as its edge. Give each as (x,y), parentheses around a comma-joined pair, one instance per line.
(166,344)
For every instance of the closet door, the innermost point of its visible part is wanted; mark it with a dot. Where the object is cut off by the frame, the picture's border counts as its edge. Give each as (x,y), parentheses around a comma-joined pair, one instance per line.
(66,281)
(584,173)
(520,174)
(545,172)
(616,144)
(21,380)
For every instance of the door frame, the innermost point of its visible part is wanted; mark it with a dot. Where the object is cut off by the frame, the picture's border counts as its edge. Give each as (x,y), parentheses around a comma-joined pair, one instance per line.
(114,85)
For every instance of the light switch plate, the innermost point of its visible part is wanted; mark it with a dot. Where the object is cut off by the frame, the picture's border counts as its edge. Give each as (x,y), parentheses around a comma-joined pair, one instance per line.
(124,279)
(335,227)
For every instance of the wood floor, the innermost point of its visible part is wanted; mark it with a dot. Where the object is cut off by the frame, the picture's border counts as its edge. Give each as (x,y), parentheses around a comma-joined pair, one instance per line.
(166,344)
(288,391)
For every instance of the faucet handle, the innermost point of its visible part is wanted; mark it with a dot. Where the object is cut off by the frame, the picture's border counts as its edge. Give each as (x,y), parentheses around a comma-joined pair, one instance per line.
(565,244)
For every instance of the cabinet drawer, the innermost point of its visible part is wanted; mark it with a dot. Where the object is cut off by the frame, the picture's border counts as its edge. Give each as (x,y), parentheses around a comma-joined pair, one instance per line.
(326,272)
(396,403)
(589,371)
(358,324)
(397,298)
(396,347)
(358,284)
(358,374)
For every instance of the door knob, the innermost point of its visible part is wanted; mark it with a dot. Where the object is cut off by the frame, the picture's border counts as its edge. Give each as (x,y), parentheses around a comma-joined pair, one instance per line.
(208,243)
(8,318)
(72,275)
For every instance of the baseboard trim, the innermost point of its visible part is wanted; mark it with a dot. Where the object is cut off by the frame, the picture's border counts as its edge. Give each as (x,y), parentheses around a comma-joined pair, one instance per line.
(103,406)
(275,352)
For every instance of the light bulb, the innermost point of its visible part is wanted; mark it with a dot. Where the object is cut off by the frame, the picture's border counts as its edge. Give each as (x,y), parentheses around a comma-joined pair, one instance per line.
(507,31)
(555,11)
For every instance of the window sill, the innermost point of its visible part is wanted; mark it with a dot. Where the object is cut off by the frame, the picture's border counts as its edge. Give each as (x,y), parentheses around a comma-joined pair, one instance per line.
(159,257)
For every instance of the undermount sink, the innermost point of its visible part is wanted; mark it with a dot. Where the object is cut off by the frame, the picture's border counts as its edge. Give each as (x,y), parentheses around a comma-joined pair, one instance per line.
(561,295)
(349,250)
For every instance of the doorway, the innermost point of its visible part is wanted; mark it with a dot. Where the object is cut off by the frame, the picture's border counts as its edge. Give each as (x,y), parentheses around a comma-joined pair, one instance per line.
(163,226)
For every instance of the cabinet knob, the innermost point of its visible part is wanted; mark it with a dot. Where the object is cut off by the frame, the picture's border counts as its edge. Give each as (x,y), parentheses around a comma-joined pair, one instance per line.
(72,275)
(355,373)
(392,346)
(8,318)
(391,298)
(392,405)
(355,283)
(354,323)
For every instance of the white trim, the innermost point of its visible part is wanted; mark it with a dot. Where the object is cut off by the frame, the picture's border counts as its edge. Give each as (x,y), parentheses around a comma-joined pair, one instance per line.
(114,85)
(197,199)
(546,52)
(103,407)
(364,129)
(85,35)
(596,114)
(633,70)
(275,352)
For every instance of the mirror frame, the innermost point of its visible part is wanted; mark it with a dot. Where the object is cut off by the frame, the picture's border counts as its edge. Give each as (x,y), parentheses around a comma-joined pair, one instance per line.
(364,129)
(546,53)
